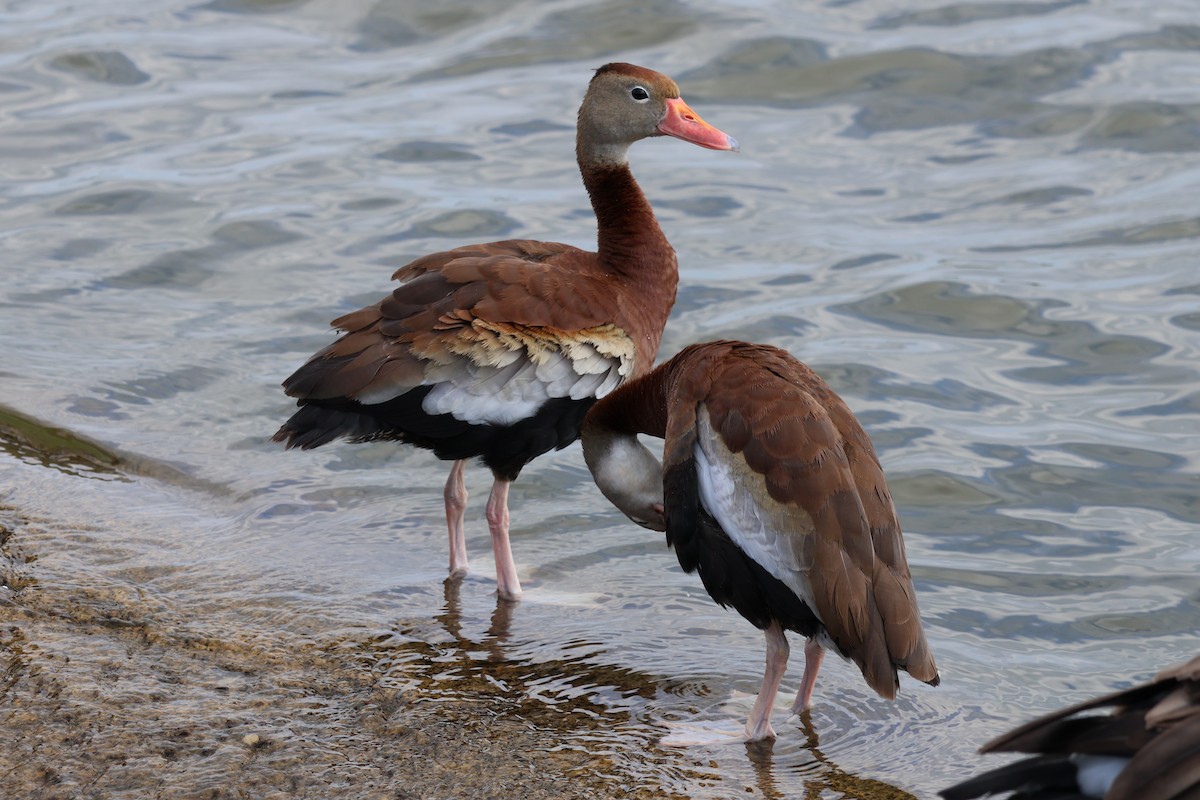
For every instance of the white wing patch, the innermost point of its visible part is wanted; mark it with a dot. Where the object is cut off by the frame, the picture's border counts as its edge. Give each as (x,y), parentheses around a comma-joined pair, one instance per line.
(511,372)
(499,396)
(736,497)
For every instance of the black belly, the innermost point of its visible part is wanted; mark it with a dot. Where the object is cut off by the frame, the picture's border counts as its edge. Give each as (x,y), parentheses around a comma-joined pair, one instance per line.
(730,577)
(505,449)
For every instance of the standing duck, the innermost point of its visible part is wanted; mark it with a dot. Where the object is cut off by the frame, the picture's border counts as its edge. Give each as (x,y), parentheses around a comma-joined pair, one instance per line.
(498,350)
(1148,748)
(770,489)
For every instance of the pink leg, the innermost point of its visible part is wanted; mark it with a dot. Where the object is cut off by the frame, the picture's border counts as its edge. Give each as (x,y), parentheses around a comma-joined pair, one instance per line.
(456,508)
(759,725)
(814,654)
(508,587)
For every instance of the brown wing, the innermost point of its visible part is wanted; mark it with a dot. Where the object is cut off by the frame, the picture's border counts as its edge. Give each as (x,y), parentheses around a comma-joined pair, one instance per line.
(511,322)
(1155,724)
(1168,768)
(891,581)
(821,484)
(1173,696)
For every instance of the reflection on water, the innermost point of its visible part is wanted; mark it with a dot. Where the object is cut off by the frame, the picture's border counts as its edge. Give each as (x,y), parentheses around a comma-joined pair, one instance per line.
(590,707)
(920,88)
(830,777)
(1086,355)
(23,438)
(115,68)
(966,216)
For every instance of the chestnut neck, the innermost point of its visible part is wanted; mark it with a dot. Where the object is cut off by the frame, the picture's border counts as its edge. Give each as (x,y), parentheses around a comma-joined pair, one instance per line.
(639,406)
(625,470)
(629,240)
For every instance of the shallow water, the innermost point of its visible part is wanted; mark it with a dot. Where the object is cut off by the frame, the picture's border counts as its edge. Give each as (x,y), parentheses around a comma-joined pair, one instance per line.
(974,220)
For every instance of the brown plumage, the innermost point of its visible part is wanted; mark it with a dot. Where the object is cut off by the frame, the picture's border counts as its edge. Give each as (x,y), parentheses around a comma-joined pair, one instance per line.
(1146,748)
(497,350)
(770,489)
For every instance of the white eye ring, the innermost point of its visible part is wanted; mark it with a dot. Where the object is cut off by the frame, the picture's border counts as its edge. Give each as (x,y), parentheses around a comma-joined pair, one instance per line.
(639,94)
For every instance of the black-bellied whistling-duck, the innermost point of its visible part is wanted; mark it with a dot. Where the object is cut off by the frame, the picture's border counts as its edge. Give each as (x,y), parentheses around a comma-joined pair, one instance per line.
(1148,748)
(770,489)
(498,350)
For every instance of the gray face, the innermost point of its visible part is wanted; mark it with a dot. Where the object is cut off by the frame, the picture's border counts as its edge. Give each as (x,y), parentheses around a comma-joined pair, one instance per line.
(618,111)
(628,474)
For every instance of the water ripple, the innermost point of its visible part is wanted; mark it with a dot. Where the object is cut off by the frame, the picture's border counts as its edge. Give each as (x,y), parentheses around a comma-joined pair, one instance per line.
(966,216)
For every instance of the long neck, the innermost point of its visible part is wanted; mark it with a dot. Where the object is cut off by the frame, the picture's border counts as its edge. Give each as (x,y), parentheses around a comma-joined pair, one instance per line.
(633,247)
(629,239)
(639,406)
(624,469)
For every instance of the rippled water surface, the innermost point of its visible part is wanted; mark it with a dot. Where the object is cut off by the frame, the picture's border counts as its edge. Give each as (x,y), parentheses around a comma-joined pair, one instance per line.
(977,221)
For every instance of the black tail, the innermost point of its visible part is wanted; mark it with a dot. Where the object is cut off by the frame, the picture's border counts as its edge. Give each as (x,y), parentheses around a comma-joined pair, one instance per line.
(505,449)
(315,425)
(1051,777)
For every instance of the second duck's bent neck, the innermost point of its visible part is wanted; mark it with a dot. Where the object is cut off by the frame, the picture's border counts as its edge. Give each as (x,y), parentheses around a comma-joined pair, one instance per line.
(639,406)
(624,469)
(629,238)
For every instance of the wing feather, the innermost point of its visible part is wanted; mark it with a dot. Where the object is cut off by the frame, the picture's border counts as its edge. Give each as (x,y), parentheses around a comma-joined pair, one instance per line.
(1153,727)
(792,477)
(735,495)
(497,329)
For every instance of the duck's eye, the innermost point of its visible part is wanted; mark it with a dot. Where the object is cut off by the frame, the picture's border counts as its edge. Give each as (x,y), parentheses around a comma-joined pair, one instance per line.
(639,94)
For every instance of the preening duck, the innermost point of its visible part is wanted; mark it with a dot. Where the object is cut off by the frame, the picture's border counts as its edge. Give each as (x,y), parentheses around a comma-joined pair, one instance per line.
(770,489)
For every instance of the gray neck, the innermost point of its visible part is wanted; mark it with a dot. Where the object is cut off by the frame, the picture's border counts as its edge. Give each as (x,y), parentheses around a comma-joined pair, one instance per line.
(602,155)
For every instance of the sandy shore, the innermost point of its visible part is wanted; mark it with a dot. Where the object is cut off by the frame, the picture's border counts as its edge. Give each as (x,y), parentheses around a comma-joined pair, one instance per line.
(108,693)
